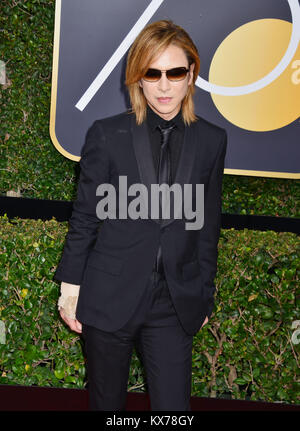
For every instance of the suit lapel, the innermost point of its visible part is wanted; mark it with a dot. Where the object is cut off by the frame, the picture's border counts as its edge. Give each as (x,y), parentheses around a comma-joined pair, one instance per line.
(144,158)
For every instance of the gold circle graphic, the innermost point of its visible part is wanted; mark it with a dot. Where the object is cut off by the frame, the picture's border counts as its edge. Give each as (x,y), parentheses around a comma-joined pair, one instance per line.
(246,55)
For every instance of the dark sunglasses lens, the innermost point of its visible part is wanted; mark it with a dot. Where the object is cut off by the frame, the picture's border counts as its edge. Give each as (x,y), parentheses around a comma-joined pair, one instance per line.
(152,75)
(177,74)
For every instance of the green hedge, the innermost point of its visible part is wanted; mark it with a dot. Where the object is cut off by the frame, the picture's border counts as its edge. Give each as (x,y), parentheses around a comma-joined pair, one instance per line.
(245,351)
(29,162)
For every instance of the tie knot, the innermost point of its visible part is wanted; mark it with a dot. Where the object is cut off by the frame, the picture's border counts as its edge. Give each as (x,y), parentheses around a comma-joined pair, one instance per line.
(165,132)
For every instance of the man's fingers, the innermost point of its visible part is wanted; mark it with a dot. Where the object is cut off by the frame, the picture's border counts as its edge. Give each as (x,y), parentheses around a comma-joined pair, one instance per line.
(74,324)
(78,325)
(205,321)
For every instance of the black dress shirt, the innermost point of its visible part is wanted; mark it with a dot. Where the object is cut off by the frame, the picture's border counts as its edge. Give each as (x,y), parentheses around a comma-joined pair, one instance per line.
(176,138)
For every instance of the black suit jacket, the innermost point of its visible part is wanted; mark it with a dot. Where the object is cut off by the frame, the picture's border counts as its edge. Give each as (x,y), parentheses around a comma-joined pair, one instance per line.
(112,260)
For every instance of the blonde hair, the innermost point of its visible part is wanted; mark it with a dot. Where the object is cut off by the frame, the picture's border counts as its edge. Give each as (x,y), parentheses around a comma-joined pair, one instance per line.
(154,38)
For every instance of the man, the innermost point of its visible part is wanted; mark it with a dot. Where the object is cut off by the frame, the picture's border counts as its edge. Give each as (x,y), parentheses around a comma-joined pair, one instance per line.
(145,282)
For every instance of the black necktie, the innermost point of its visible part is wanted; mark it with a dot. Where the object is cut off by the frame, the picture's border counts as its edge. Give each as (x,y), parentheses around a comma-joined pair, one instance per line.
(164,176)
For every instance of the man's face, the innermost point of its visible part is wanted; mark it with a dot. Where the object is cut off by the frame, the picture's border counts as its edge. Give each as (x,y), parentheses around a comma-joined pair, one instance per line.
(172,57)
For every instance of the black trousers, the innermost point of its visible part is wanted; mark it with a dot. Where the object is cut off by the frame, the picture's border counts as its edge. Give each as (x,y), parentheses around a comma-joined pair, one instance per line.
(165,348)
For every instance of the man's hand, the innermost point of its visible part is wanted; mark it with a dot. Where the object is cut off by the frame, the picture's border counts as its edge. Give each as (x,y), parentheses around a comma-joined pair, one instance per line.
(74,324)
(67,304)
(205,322)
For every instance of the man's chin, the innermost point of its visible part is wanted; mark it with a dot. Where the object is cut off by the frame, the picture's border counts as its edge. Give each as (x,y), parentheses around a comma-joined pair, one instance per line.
(163,109)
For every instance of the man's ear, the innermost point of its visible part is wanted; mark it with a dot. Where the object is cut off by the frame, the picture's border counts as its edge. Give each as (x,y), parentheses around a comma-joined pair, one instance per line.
(192,66)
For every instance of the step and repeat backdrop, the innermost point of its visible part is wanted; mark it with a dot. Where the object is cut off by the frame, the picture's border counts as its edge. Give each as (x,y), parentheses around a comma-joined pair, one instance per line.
(249,81)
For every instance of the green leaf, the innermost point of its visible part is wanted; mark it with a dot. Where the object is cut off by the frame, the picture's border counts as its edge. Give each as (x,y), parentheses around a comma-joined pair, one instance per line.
(240,381)
(59,374)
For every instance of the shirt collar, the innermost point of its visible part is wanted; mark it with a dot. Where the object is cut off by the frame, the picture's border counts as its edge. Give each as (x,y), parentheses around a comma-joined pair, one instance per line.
(154,120)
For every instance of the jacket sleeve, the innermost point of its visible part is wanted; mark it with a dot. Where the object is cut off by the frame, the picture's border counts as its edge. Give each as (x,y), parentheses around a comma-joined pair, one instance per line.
(84,223)
(208,235)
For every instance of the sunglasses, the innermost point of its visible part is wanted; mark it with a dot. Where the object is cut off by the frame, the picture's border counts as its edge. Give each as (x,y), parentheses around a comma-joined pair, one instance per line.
(175,74)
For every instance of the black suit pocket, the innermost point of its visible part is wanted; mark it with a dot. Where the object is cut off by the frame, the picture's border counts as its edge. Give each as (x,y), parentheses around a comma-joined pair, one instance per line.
(191,270)
(105,262)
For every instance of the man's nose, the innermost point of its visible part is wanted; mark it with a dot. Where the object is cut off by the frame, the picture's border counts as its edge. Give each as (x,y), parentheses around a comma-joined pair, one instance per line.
(164,83)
